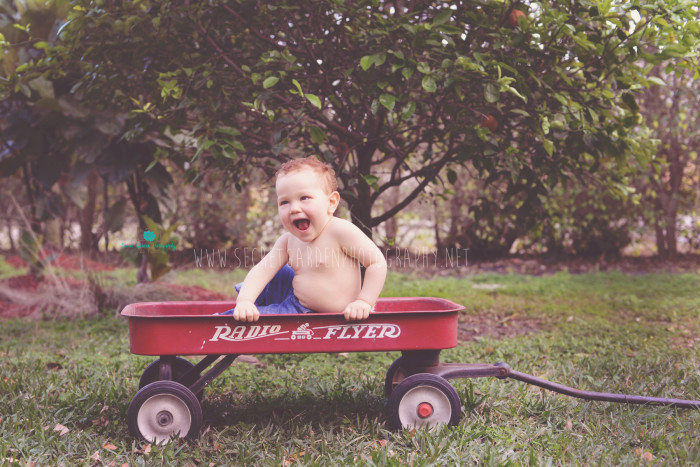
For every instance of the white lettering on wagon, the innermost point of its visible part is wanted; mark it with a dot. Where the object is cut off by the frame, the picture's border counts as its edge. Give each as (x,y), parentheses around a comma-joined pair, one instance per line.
(361,331)
(245,333)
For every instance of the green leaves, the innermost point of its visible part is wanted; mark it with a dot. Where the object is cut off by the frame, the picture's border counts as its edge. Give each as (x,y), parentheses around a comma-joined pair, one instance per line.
(371,180)
(314,100)
(298,87)
(548,146)
(630,102)
(491,93)
(317,135)
(270,81)
(368,61)
(388,101)
(408,110)
(656,80)
(429,84)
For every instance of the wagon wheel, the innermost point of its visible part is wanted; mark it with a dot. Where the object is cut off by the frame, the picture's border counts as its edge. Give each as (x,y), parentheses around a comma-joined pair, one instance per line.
(389,382)
(164,409)
(180,368)
(424,400)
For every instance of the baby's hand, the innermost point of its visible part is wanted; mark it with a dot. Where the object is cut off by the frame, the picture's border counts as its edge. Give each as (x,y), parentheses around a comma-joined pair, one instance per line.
(246,311)
(357,310)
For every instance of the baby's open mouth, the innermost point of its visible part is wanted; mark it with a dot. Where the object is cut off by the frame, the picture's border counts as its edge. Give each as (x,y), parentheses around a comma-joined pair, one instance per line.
(302,224)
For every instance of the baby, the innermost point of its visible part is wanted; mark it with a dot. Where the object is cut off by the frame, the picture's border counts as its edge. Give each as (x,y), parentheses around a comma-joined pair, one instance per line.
(315,264)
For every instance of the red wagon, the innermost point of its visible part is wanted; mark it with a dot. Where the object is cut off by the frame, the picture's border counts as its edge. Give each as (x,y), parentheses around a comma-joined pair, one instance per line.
(416,384)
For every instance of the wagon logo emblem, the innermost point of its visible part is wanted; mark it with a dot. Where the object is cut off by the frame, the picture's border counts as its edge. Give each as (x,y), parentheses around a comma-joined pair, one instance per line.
(302,332)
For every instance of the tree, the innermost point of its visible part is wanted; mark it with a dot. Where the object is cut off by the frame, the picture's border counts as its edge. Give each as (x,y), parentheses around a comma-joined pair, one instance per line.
(29,131)
(388,92)
(404,88)
(54,134)
(673,110)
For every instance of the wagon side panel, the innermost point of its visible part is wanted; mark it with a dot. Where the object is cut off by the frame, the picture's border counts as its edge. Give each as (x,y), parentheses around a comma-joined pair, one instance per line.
(292,334)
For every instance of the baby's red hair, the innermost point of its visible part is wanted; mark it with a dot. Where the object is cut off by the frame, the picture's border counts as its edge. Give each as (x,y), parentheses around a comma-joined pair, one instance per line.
(324,170)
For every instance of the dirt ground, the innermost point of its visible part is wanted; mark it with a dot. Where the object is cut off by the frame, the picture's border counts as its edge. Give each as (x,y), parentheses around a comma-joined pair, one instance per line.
(21,286)
(14,291)
(481,325)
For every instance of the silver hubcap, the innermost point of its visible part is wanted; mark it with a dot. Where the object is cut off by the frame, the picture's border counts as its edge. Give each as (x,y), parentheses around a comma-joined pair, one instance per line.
(413,411)
(162,416)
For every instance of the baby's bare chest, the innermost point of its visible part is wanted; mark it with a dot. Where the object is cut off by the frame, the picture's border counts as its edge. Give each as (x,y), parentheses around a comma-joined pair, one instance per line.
(318,258)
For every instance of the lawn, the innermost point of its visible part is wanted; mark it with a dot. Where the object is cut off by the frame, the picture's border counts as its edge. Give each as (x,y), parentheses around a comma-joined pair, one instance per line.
(65,385)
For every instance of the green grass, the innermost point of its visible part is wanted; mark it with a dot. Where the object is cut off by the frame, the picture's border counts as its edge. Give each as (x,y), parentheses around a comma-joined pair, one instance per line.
(221,281)
(604,332)
(7,270)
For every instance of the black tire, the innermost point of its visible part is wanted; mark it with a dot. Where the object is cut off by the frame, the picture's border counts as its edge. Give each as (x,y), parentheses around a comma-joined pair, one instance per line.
(424,400)
(390,374)
(180,368)
(162,410)
(152,372)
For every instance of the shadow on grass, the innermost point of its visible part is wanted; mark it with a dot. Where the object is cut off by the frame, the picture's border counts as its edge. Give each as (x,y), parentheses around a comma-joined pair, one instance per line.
(285,410)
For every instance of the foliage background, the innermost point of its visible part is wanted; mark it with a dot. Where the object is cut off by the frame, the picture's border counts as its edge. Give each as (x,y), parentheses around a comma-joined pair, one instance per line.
(570,129)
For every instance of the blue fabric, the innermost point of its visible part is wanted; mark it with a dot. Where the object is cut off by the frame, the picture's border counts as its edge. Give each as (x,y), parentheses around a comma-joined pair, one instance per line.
(277,298)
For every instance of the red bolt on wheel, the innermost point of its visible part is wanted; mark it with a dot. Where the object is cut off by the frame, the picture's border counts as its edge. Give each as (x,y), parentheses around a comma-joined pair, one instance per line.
(425,410)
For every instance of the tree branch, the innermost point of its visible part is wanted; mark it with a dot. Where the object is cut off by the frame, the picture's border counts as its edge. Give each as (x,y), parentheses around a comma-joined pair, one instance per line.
(261,36)
(223,55)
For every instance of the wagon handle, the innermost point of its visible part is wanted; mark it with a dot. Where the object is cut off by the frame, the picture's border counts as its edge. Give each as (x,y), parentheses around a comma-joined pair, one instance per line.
(600,396)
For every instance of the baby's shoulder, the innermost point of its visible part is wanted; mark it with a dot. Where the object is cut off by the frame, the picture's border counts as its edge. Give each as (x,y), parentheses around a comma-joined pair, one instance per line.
(345,232)
(283,240)
(341,226)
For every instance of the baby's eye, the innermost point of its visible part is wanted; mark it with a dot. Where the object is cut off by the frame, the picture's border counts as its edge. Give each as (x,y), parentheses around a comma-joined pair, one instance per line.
(282,203)
(303,198)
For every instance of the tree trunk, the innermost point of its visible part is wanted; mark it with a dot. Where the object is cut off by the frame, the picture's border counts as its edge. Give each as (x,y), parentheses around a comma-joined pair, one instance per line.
(361,211)
(87,214)
(65,216)
(32,192)
(456,218)
(437,221)
(13,248)
(136,189)
(671,236)
(361,216)
(391,225)
(52,234)
(34,224)
(676,167)
(660,240)
(142,273)
(105,199)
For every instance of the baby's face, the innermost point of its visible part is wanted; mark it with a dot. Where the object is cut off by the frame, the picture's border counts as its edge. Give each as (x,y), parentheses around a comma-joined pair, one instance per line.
(304,204)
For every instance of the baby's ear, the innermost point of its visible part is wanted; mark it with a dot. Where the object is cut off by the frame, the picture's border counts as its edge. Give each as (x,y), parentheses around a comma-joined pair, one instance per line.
(333,202)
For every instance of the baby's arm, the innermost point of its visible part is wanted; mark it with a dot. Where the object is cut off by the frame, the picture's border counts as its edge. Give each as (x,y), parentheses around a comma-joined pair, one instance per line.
(357,245)
(257,279)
